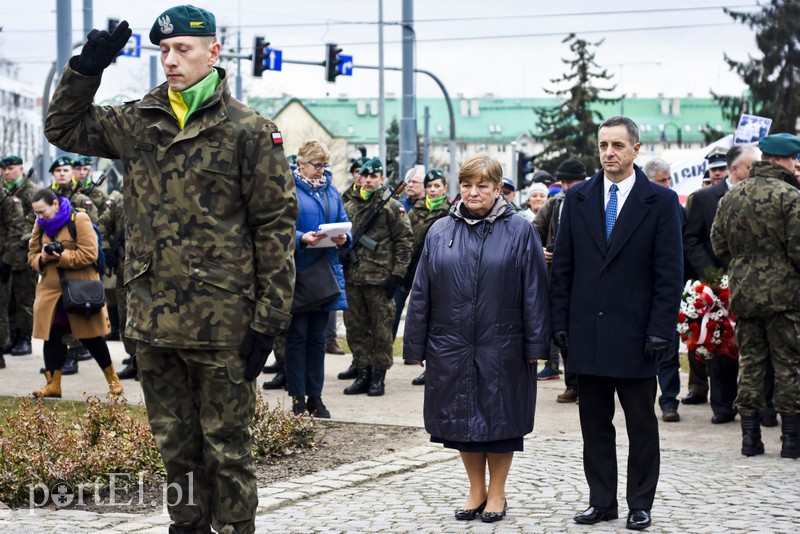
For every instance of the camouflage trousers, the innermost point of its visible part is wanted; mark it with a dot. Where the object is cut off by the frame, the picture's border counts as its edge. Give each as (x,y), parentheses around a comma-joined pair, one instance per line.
(279,350)
(775,337)
(200,407)
(368,320)
(23,291)
(122,314)
(5,297)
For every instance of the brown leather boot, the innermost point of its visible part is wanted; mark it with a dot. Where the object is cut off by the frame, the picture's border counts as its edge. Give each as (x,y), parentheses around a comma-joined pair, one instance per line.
(53,387)
(114,385)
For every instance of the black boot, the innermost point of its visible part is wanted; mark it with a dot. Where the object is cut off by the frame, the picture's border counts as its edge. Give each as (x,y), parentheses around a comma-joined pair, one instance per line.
(350,373)
(82,353)
(278,381)
(22,347)
(130,370)
(751,436)
(317,409)
(12,341)
(70,366)
(377,388)
(790,436)
(2,362)
(298,405)
(419,381)
(362,383)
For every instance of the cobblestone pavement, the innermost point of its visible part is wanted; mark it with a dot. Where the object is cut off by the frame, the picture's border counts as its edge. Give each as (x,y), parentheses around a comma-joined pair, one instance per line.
(706,486)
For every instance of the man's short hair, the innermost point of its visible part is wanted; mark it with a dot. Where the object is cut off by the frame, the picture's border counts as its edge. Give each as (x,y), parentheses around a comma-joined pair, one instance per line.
(619,120)
(735,153)
(654,166)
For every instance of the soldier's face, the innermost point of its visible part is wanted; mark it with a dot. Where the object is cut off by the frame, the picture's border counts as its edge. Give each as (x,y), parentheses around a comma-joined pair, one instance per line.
(82,171)
(435,188)
(371,181)
(187,59)
(12,172)
(62,175)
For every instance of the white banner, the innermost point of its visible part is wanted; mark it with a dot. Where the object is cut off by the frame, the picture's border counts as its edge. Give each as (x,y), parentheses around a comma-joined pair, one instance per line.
(688,166)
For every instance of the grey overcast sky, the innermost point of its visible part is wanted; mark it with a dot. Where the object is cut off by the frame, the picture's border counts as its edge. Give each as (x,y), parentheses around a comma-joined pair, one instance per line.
(511,48)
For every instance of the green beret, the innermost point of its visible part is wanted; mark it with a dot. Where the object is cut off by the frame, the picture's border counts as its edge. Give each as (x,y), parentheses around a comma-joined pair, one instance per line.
(433,174)
(10,160)
(60,162)
(82,161)
(183,20)
(358,163)
(781,145)
(372,166)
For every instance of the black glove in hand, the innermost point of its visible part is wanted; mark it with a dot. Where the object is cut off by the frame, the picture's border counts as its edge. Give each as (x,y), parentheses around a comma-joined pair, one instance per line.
(5,272)
(395,283)
(100,49)
(111,258)
(560,339)
(656,347)
(255,349)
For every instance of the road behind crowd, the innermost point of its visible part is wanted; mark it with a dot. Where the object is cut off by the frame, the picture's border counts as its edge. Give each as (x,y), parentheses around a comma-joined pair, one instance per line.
(706,485)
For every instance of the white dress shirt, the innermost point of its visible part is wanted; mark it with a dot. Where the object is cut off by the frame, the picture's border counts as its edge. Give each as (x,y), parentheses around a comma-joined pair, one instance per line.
(624,189)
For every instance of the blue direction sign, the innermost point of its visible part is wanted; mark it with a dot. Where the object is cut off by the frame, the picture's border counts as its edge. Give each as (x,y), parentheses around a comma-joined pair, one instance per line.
(345,66)
(133,48)
(275,58)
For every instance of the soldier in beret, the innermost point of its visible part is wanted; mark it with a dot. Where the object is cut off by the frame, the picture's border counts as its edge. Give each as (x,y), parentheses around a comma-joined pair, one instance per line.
(12,228)
(82,171)
(211,209)
(757,231)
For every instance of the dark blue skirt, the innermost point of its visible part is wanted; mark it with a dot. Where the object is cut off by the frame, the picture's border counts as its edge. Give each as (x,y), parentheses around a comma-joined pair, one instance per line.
(499,447)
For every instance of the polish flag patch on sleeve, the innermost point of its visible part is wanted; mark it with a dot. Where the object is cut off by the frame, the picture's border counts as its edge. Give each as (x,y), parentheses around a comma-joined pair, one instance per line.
(277,138)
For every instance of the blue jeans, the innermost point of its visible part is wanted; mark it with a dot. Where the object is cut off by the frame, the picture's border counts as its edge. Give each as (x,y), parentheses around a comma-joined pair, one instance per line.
(305,353)
(669,378)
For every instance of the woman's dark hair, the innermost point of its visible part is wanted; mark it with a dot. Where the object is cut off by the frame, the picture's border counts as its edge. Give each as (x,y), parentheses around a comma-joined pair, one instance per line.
(46,194)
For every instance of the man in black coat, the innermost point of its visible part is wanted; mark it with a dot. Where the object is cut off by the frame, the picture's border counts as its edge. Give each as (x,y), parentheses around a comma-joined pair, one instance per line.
(615,292)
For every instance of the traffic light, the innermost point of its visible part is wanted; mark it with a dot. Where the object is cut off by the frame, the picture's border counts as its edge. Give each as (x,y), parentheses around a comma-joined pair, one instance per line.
(260,56)
(524,168)
(332,62)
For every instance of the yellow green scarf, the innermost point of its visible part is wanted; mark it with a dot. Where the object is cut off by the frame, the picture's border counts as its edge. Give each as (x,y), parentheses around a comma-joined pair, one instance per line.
(434,203)
(366,195)
(187,101)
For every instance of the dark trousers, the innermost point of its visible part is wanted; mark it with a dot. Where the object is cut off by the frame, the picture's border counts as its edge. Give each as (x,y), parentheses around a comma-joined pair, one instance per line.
(330,333)
(669,378)
(698,375)
(637,397)
(723,374)
(570,379)
(400,297)
(305,354)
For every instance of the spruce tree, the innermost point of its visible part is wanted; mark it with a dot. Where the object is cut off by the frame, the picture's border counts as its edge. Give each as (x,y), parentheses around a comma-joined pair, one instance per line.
(392,149)
(774,80)
(569,130)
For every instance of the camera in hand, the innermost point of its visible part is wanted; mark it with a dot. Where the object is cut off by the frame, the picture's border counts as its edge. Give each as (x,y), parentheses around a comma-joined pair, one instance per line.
(54,247)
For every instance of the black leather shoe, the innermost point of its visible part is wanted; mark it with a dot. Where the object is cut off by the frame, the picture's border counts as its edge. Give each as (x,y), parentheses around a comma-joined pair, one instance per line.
(271,369)
(350,373)
(277,382)
(694,398)
(468,514)
(22,348)
(419,381)
(491,517)
(670,415)
(638,520)
(70,367)
(720,419)
(595,514)
(315,407)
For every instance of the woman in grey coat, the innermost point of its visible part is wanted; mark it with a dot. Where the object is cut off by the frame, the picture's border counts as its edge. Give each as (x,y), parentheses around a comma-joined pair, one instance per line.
(479,317)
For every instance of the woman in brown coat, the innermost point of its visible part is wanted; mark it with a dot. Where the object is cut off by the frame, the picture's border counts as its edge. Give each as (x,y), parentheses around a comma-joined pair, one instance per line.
(77,259)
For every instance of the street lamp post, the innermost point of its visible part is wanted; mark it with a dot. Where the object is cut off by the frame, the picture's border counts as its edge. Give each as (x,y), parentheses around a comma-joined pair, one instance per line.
(679,134)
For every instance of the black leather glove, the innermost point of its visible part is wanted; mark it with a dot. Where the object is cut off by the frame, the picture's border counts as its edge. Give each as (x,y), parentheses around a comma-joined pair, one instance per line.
(100,49)
(111,258)
(5,272)
(656,347)
(560,339)
(255,349)
(395,283)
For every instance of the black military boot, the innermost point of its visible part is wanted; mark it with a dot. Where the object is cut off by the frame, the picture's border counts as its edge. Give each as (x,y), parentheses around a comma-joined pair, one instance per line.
(376,387)
(362,382)
(350,373)
(81,353)
(70,366)
(130,370)
(2,362)
(12,341)
(23,346)
(790,436)
(278,381)
(298,405)
(751,436)
(317,408)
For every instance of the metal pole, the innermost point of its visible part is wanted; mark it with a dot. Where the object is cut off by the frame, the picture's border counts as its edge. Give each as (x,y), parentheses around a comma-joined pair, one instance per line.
(239,51)
(381,89)
(153,71)
(426,140)
(88,24)
(408,123)
(63,34)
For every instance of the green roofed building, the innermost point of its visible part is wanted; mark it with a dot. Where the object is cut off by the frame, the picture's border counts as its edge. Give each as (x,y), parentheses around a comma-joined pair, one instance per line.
(499,126)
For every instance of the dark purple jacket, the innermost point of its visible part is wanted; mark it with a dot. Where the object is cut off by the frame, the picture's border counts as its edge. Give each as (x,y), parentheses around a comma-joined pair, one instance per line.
(477,314)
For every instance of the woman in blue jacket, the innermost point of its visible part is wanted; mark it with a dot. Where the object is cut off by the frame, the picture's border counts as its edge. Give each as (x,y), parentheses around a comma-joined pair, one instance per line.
(480,315)
(319,202)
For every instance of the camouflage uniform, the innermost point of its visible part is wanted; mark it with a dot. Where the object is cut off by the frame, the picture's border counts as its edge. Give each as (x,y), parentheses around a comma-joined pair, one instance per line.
(757,230)
(112,227)
(421,220)
(98,197)
(78,200)
(12,228)
(211,213)
(23,281)
(370,312)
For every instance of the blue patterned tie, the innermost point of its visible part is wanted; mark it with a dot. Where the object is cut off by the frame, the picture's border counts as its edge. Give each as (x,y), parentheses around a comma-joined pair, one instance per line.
(611,210)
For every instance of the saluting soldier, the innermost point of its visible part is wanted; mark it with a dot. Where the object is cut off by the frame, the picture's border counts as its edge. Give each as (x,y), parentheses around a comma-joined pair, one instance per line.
(211,209)
(82,170)
(12,228)
(23,281)
(370,282)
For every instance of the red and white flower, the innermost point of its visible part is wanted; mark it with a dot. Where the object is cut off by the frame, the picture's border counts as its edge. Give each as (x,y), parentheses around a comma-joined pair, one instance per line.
(705,323)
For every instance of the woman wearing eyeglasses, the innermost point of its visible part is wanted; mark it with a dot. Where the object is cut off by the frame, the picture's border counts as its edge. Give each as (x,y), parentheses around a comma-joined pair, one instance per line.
(480,310)
(319,202)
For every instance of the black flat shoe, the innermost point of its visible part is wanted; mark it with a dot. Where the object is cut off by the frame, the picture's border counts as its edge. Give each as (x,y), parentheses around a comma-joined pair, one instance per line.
(721,419)
(468,514)
(491,517)
(595,514)
(638,520)
(694,398)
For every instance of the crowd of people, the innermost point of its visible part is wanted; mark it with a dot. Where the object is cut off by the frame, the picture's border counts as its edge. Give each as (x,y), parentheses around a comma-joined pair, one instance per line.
(586,275)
